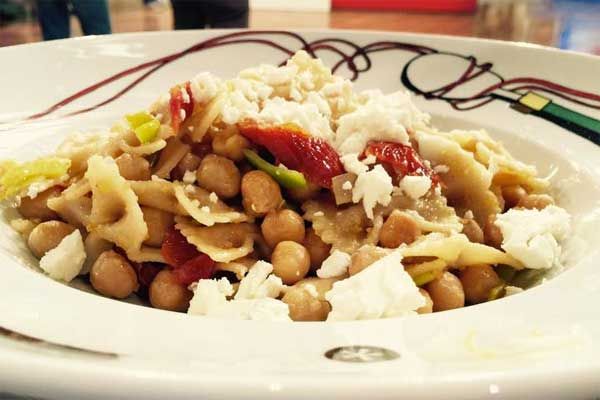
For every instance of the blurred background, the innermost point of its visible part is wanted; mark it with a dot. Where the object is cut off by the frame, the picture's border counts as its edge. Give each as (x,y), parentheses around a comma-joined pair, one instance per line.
(567,24)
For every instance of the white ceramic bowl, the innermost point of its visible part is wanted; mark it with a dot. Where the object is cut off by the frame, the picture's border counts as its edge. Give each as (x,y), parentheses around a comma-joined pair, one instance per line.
(543,343)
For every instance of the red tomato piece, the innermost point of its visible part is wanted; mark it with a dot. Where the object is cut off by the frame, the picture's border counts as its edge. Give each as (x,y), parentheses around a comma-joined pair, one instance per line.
(176,250)
(199,267)
(177,104)
(291,146)
(402,158)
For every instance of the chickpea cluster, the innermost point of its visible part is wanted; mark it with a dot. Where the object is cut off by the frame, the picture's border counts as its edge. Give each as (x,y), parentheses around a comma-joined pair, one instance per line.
(291,244)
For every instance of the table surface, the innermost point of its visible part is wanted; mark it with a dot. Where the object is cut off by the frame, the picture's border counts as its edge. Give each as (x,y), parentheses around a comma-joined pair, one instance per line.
(569,24)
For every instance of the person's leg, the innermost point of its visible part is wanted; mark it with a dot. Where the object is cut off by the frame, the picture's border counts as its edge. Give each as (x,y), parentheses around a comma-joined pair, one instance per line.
(189,14)
(93,16)
(54,19)
(228,13)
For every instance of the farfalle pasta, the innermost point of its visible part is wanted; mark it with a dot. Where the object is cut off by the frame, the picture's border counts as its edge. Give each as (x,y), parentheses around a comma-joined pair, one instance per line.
(284,194)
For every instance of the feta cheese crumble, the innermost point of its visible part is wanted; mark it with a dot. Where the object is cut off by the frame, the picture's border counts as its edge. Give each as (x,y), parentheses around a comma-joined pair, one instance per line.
(415,186)
(373,187)
(204,87)
(258,283)
(347,185)
(532,236)
(306,115)
(212,197)
(64,262)
(352,164)
(382,117)
(254,299)
(189,177)
(382,290)
(335,265)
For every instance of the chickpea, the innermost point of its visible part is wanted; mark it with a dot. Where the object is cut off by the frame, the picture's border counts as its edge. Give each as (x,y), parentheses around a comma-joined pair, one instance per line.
(303,194)
(133,168)
(231,147)
(47,236)
(492,233)
(167,294)
(291,261)
(446,292)
(113,276)
(428,307)
(537,201)
(317,248)
(220,175)
(304,306)
(189,162)
(399,228)
(472,230)
(260,193)
(282,225)
(38,207)
(477,281)
(364,257)
(158,222)
(512,195)
(94,245)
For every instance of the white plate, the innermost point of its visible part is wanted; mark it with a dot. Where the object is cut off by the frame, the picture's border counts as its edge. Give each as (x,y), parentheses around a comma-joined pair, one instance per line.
(544,343)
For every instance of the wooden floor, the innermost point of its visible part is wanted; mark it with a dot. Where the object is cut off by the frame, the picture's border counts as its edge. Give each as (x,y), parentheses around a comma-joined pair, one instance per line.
(535,21)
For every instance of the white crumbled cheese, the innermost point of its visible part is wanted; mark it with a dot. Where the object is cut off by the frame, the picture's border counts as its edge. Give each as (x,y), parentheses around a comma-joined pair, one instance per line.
(271,74)
(64,262)
(209,294)
(415,186)
(382,117)
(205,87)
(259,283)
(441,169)
(320,102)
(532,236)
(307,116)
(373,187)
(210,299)
(212,197)
(182,114)
(337,88)
(469,215)
(318,214)
(352,164)
(189,177)
(339,94)
(335,265)
(189,189)
(243,99)
(205,209)
(311,289)
(347,185)
(384,289)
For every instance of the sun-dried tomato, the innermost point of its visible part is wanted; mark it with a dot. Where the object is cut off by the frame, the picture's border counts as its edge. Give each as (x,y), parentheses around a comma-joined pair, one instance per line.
(176,250)
(402,158)
(199,267)
(314,157)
